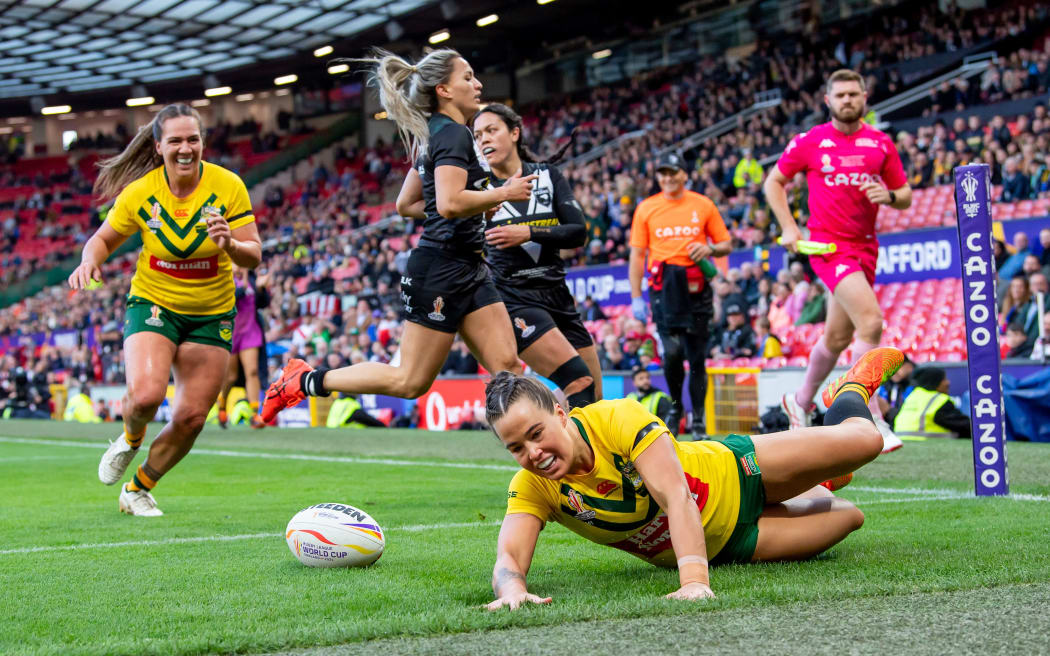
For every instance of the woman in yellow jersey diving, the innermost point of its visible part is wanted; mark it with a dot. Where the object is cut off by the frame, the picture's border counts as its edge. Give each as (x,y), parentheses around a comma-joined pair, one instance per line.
(196,221)
(612,473)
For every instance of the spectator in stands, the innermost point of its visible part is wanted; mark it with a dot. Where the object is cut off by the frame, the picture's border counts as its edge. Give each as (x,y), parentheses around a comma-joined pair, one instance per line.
(1041,346)
(737,340)
(460,360)
(815,308)
(610,354)
(748,171)
(1017,343)
(1015,182)
(652,398)
(631,348)
(928,411)
(767,345)
(780,318)
(592,311)
(1018,307)
(80,408)
(1044,242)
(1013,264)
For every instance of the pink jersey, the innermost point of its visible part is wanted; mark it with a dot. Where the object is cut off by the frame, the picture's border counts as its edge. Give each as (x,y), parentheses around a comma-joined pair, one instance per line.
(836,164)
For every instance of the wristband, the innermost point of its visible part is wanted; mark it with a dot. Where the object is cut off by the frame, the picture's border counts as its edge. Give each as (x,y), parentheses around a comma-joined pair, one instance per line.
(693,569)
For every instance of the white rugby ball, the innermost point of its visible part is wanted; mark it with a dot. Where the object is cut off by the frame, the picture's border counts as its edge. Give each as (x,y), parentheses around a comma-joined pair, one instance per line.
(334,535)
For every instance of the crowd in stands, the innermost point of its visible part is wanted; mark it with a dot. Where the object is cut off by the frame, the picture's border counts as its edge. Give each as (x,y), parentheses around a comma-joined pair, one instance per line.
(333,266)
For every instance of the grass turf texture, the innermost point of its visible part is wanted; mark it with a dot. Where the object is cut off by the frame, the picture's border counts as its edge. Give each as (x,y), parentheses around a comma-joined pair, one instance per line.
(932,571)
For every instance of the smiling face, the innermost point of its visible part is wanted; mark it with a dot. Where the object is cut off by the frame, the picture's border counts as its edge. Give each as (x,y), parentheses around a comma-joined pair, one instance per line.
(181,146)
(462,90)
(539,440)
(671,181)
(847,100)
(496,141)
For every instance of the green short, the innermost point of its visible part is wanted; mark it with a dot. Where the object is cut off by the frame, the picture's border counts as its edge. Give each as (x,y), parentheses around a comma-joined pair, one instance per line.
(741,545)
(145,315)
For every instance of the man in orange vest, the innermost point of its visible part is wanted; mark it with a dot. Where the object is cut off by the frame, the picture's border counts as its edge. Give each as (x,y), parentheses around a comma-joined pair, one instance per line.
(672,234)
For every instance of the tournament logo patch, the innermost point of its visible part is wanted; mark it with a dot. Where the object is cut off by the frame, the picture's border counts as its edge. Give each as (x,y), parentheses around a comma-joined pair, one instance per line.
(436,315)
(155,320)
(576,503)
(154,220)
(826,166)
(525,329)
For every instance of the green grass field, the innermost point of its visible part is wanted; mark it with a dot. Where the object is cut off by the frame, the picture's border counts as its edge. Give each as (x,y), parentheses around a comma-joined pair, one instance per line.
(933,571)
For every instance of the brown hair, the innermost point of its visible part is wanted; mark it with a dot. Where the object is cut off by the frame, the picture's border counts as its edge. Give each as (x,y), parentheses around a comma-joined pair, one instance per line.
(140,156)
(846,75)
(506,388)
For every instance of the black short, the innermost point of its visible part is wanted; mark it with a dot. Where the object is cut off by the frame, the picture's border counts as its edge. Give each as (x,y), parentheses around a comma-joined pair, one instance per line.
(700,313)
(536,312)
(439,288)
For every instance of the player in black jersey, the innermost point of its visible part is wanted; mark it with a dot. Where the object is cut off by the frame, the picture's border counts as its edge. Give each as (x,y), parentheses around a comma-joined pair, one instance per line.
(523,243)
(446,286)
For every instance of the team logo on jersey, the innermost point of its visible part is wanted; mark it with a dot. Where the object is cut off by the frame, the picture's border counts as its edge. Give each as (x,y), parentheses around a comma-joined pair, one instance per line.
(632,474)
(865,142)
(436,315)
(605,487)
(154,220)
(226,330)
(155,319)
(841,269)
(576,503)
(826,167)
(525,328)
(851,160)
(543,196)
(827,143)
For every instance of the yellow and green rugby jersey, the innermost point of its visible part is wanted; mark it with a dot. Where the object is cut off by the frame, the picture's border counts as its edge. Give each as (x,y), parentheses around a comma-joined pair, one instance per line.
(179,267)
(610,505)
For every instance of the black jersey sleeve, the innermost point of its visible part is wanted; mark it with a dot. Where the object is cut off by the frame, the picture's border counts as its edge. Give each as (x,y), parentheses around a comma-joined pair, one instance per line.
(572,231)
(451,146)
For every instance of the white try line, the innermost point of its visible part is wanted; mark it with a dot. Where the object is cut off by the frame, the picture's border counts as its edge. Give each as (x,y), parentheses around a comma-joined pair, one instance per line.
(281,456)
(943,493)
(227,538)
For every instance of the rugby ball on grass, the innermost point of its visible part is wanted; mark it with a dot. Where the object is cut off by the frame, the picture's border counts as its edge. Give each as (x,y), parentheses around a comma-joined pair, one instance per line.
(334,535)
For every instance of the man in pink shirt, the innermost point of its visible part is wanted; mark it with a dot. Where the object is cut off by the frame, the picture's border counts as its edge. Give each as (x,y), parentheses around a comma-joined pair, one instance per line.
(851,168)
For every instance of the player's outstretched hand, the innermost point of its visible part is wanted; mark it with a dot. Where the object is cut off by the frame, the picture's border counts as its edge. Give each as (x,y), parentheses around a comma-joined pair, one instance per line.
(84,275)
(876,192)
(790,239)
(518,187)
(506,236)
(516,600)
(692,592)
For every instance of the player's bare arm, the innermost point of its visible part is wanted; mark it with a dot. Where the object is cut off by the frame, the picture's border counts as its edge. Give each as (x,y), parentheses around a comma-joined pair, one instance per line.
(776,196)
(664,478)
(455,201)
(514,551)
(96,251)
(243,244)
(410,202)
(898,199)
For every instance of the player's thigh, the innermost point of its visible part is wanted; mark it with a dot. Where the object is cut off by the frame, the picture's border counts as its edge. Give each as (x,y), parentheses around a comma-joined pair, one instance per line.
(488,333)
(549,352)
(856,297)
(198,378)
(804,526)
(794,461)
(147,365)
(423,352)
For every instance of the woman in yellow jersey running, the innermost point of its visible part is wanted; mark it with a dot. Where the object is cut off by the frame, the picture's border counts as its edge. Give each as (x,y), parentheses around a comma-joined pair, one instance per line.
(612,473)
(196,221)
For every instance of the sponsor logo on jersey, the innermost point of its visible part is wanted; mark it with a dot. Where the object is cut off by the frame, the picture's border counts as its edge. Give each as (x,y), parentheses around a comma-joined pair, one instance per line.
(851,160)
(841,269)
(154,319)
(195,269)
(854,179)
(605,487)
(525,328)
(826,167)
(583,513)
(827,143)
(748,464)
(181,214)
(865,142)
(678,231)
(436,315)
(406,300)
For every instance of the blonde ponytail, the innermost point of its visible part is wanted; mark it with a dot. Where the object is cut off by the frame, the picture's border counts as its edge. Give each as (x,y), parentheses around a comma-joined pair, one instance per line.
(406,91)
(140,156)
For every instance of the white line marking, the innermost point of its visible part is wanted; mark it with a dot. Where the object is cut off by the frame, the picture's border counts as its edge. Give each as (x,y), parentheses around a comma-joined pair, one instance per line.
(943,492)
(873,502)
(284,456)
(26,458)
(227,538)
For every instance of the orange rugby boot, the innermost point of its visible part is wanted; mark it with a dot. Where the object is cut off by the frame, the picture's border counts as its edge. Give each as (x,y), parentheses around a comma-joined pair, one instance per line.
(838,482)
(287,391)
(872,370)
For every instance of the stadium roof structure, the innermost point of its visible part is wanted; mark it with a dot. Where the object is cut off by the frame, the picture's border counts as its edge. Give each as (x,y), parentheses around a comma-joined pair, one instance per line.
(68,46)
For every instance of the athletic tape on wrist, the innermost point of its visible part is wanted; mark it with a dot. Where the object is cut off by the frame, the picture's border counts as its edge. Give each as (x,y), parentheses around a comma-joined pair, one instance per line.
(693,571)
